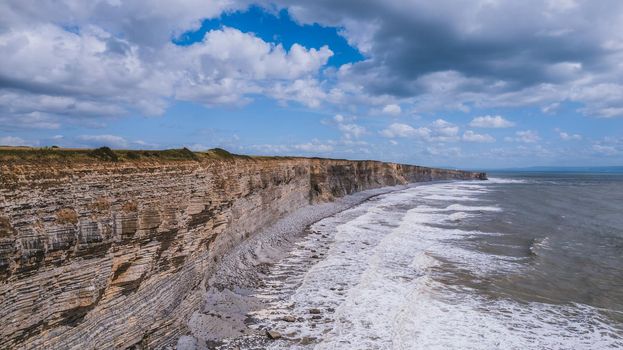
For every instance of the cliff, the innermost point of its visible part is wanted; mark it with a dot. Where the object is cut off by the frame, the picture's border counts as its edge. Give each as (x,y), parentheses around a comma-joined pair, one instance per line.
(97,252)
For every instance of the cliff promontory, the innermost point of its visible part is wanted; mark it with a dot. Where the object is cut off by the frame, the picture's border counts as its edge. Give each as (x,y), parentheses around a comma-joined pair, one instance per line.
(104,249)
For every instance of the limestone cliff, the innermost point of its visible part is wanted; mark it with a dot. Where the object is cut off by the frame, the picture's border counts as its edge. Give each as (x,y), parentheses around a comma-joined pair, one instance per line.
(112,254)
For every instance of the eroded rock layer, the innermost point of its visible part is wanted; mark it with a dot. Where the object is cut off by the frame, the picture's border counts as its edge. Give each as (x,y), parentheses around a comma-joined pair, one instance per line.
(113,254)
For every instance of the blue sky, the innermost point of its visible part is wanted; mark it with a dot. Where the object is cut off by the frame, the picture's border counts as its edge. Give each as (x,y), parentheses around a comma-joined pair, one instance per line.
(441,84)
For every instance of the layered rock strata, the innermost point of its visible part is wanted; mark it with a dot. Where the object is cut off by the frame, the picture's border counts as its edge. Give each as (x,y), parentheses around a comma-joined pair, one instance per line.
(116,254)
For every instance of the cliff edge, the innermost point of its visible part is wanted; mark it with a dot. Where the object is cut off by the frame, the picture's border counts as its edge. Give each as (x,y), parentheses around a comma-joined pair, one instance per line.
(102,248)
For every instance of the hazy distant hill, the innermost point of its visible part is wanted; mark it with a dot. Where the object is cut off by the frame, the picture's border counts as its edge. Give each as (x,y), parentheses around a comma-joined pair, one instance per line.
(598,169)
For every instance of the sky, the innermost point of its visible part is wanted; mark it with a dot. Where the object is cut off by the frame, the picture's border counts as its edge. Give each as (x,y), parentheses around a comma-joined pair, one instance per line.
(469,84)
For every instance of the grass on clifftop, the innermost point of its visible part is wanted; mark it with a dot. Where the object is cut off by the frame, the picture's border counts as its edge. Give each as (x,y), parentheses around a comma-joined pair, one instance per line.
(105,154)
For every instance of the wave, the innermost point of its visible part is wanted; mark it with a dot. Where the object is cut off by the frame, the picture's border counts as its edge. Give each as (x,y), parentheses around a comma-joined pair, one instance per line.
(451,198)
(539,244)
(450,320)
(458,207)
(499,180)
(378,286)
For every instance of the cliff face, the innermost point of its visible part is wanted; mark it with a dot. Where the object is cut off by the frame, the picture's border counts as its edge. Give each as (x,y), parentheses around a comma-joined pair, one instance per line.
(106,254)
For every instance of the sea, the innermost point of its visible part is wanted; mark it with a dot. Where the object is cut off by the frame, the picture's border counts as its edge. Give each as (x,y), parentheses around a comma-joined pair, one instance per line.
(519,261)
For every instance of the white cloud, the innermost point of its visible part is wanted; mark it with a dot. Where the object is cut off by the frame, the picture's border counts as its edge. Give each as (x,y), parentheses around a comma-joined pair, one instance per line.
(343,146)
(568,137)
(507,71)
(392,109)
(443,151)
(527,136)
(305,91)
(608,146)
(489,121)
(551,108)
(314,147)
(607,150)
(146,145)
(53,73)
(13,141)
(352,130)
(271,149)
(30,120)
(601,99)
(438,131)
(405,130)
(163,19)
(76,74)
(103,140)
(471,136)
(230,53)
(228,65)
(445,129)
(347,127)
(104,62)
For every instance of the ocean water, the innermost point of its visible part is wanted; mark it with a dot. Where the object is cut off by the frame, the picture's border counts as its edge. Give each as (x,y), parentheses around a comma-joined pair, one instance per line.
(521,261)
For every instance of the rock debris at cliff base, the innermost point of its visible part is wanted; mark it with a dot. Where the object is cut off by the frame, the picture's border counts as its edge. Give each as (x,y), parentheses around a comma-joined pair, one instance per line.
(227,303)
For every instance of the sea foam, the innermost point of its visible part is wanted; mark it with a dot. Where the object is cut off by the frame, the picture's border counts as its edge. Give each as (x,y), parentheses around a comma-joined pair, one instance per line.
(377,284)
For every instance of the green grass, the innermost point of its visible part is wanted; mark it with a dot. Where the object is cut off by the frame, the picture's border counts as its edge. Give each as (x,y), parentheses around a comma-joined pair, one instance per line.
(105,154)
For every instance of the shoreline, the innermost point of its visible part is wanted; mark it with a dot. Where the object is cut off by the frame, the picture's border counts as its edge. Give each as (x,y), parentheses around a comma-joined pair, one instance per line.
(120,251)
(227,299)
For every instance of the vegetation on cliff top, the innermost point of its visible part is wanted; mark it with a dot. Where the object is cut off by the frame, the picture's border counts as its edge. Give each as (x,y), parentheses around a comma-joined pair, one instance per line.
(105,154)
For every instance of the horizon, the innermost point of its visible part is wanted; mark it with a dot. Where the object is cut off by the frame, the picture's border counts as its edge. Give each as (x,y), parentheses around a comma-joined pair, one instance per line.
(484,85)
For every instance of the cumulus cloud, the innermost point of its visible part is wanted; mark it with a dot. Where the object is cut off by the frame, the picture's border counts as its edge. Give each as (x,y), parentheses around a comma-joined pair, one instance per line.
(305,91)
(51,73)
(65,61)
(608,150)
(352,130)
(341,147)
(270,148)
(98,59)
(392,109)
(13,141)
(313,147)
(229,64)
(164,20)
(525,136)
(551,108)
(438,131)
(489,58)
(405,130)
(50,70)
(608,146)
(347,126)
(471,136)
(567,136)
(112,141)
(491,121)
(26,120)
(445,130)
(442,151)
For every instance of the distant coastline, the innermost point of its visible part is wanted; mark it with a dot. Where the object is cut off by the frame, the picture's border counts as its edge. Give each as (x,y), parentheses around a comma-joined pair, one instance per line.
(551,169)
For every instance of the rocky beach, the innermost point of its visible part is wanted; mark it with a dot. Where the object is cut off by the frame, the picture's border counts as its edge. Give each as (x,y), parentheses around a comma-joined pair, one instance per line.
(224,319)
(436,265)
